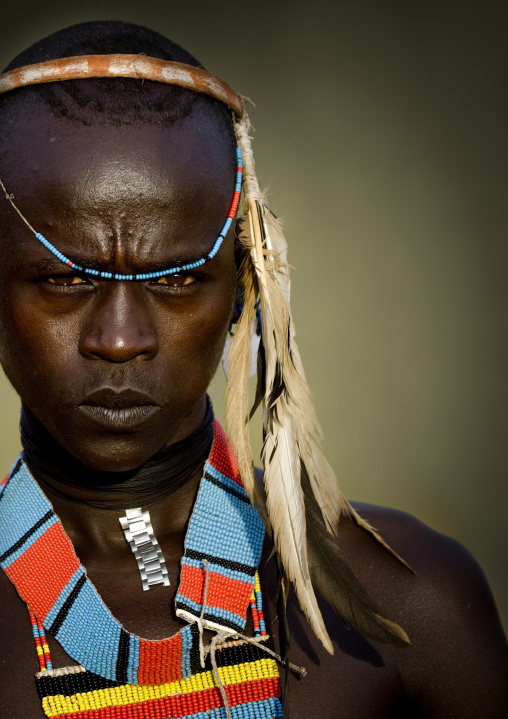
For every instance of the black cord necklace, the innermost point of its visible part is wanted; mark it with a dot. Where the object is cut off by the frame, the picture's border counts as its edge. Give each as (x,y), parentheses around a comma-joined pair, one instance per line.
(163,474)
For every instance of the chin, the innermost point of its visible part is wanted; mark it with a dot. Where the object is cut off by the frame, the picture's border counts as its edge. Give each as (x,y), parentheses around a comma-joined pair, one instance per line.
(116,454)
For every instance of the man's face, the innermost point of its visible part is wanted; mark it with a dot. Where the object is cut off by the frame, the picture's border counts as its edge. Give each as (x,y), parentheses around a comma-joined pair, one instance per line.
(114,370)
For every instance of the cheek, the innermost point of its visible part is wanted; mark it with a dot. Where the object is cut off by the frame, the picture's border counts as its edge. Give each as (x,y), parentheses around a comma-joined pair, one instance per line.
(32,350)
(195,340)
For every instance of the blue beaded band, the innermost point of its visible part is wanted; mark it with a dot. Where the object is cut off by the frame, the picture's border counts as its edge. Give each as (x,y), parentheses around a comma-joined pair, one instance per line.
(161,273)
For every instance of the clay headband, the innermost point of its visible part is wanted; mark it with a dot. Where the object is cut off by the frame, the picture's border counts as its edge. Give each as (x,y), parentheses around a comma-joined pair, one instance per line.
(138,67)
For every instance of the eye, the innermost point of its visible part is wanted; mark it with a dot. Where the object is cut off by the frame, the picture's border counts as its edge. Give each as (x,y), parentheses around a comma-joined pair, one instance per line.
(67,280)
(176,280)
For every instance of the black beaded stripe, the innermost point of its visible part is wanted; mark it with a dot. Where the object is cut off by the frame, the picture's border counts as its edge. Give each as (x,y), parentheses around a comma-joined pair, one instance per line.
(123,657)
(64,609)
(226,657)
(16,468)
(14,472)
(226,488)
(239,655)
(17,545)
(195,661)
(83,682)
(71,684)
(211,617)
(227,563)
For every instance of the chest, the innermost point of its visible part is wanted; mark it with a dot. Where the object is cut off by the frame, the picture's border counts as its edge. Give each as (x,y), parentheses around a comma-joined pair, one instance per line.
(358,681)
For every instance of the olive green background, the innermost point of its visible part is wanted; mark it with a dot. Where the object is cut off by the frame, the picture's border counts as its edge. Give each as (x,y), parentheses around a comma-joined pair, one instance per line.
(381,137)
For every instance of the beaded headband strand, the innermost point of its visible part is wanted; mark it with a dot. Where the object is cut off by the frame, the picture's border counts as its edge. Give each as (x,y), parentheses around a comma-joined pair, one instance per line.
(144,275)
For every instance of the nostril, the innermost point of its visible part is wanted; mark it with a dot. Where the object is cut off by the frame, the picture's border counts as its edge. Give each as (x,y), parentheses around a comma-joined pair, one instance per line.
(120,344)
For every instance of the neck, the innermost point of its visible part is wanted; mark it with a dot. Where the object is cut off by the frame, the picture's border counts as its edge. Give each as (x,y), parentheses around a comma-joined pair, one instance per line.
(62,475)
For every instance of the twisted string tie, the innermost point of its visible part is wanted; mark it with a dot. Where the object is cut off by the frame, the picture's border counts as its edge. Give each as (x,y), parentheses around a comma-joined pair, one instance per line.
(223,636)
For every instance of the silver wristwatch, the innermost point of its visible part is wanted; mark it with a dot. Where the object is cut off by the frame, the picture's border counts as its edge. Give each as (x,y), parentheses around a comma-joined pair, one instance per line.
(138,532)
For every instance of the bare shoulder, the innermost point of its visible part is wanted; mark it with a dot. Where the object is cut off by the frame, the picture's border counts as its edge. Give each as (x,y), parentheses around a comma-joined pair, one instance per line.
(448,584)
(457,663)
(426,550)
(446,606)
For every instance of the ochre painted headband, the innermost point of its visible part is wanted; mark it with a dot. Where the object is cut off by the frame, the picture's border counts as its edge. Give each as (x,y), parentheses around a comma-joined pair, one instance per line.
(140,67)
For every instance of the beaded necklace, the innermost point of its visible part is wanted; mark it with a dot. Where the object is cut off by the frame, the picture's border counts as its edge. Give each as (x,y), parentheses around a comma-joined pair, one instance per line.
(121,675)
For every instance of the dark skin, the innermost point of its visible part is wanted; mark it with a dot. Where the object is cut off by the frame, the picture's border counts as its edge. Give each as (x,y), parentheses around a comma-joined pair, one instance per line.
(127,199)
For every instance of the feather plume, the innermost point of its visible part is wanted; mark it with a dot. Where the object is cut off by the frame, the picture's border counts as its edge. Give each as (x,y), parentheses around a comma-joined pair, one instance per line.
(292,434)
(285,504)
(337,584)
(308,431)
(284,497)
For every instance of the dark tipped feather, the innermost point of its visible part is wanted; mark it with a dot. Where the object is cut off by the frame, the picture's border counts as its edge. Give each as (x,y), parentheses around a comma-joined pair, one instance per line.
(278,388)
(337,584)
(261,381)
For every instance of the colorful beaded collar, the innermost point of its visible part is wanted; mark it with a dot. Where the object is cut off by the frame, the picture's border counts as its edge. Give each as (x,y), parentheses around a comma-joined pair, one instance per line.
(224,531)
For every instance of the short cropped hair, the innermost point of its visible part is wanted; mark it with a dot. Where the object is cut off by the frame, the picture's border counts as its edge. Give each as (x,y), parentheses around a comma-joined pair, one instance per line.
(111,101)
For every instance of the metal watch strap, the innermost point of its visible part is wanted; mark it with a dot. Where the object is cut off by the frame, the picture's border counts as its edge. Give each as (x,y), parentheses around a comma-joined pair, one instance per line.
(139,533)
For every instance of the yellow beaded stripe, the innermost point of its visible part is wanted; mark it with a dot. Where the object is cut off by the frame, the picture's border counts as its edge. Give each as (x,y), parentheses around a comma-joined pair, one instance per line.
(257,583)
(131,693)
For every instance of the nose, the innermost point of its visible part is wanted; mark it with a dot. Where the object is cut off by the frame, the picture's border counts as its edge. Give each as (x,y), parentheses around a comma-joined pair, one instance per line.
(120,327)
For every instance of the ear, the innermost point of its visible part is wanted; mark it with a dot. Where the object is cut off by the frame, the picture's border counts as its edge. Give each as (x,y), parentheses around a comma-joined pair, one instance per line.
(238,307)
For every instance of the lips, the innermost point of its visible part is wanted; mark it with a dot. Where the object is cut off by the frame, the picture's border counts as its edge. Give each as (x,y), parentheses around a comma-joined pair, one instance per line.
(118,409)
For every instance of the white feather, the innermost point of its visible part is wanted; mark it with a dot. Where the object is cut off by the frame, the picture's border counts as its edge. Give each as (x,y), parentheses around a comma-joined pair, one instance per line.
(286,509)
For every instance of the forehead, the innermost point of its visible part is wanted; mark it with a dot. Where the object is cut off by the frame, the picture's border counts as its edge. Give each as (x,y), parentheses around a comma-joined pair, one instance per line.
(61,152)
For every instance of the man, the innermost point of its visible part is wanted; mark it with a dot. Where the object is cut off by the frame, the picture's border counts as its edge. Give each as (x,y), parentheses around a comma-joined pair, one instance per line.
(121,181)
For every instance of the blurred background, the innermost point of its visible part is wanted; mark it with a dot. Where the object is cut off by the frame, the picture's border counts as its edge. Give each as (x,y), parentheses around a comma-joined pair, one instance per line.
(380,134)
